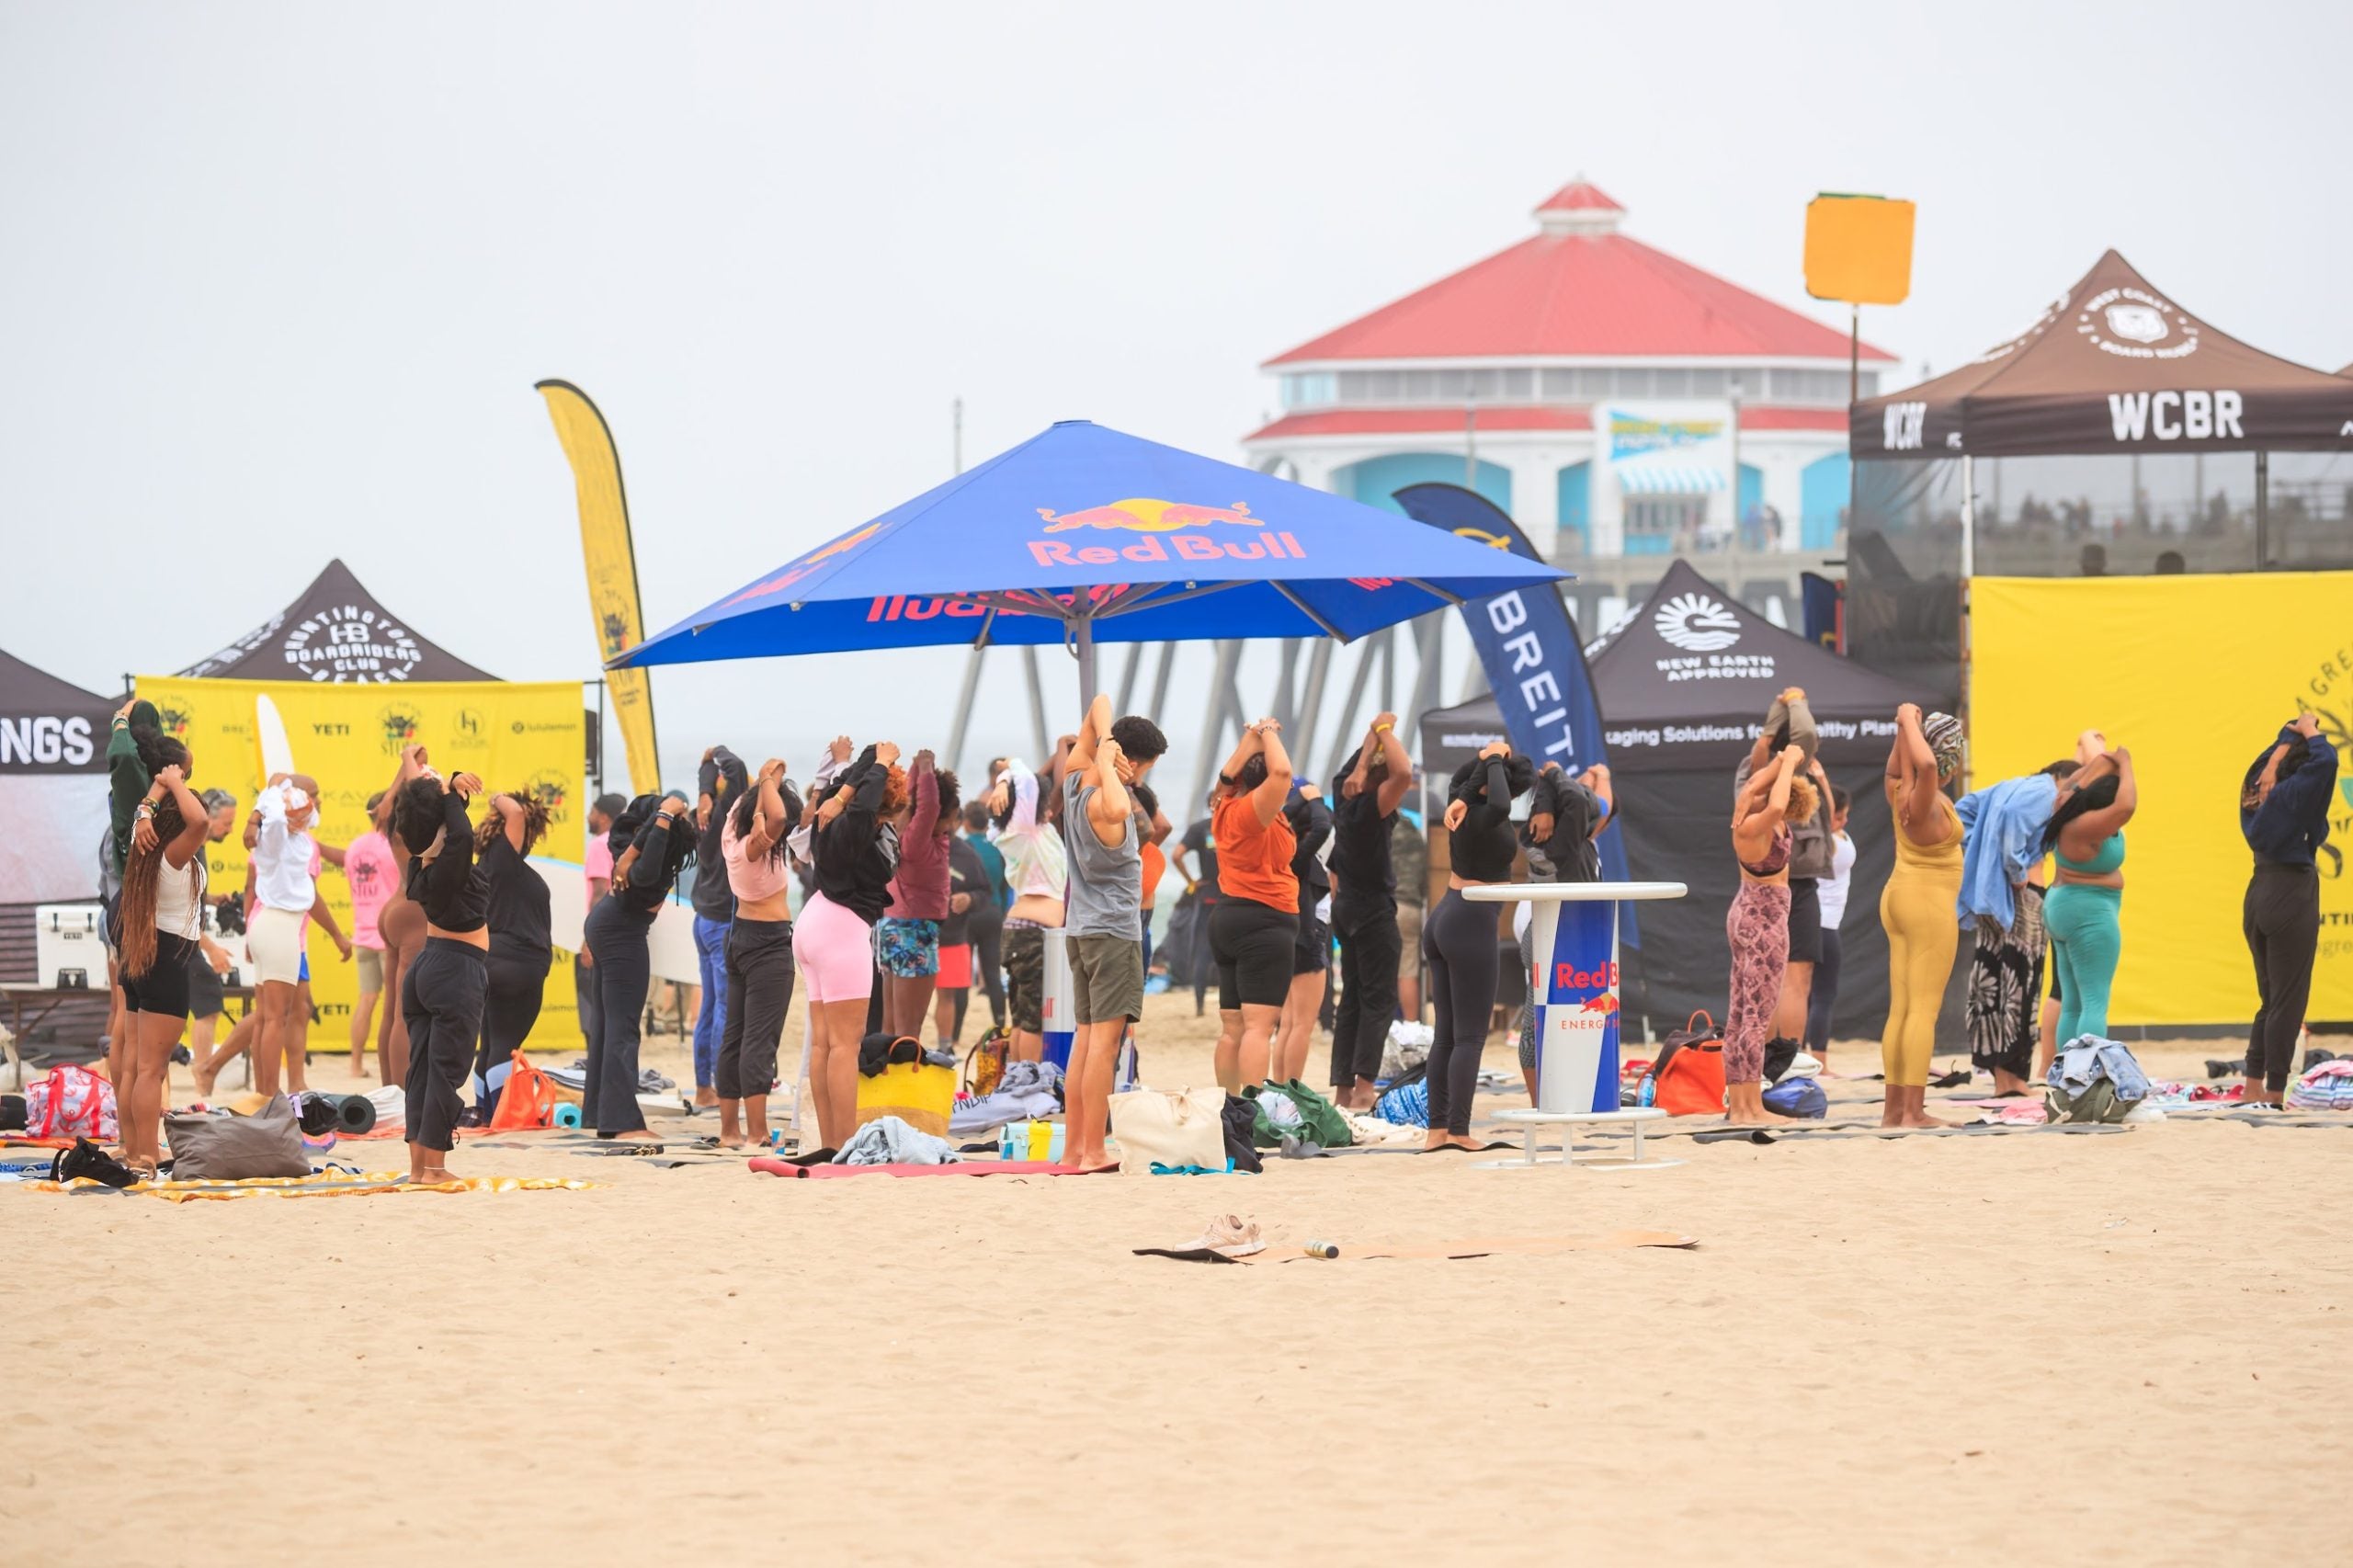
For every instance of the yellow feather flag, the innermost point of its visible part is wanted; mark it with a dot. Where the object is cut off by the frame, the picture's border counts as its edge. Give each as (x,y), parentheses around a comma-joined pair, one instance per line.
(612,568)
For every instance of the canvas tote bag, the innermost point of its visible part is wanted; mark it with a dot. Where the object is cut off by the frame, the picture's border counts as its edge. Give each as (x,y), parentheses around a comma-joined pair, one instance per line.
(1187,1127)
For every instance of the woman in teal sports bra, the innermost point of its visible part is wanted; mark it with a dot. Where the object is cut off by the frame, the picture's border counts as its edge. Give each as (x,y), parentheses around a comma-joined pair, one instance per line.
(2083,912)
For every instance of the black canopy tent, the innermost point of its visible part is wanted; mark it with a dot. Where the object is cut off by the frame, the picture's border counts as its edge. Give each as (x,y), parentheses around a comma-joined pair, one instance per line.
(1684,682)
(335,630)
(53,797)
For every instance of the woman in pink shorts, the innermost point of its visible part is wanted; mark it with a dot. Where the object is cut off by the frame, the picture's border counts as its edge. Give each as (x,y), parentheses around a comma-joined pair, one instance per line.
(855,850)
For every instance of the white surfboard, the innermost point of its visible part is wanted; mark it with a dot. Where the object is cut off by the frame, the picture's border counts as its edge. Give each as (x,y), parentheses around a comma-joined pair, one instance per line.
(270,730)
(670,945)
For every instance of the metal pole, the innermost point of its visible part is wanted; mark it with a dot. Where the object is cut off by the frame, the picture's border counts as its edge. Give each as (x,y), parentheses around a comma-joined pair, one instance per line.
(1128,680)
(1212,724)
(2262,511)
(1082,635)
(1037,700)
(600,738)
(959,723)
(1854,355)
(1429,642)
(1346,719)
(1389,669)
(1160,681)
(1968,517)
(1285,682)
(1311,702)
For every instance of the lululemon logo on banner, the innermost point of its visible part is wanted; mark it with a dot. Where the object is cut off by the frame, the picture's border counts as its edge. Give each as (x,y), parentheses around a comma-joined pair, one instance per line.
(1697,622)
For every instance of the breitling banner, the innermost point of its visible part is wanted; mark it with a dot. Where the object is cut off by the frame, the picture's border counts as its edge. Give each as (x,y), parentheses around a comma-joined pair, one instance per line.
(2194,676)
(518,737)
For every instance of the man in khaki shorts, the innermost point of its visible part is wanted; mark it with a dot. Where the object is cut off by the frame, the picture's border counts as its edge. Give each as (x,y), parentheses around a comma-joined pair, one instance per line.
(1102,919)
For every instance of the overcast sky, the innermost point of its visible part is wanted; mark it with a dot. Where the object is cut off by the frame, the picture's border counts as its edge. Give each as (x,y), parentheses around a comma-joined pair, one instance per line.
(278,279)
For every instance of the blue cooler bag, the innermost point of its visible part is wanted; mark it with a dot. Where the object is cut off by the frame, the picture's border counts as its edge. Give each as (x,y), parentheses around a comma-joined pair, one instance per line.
(1800,1097)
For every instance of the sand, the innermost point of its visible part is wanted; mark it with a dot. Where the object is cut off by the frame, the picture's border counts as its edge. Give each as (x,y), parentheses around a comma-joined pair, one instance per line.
(2040,1348)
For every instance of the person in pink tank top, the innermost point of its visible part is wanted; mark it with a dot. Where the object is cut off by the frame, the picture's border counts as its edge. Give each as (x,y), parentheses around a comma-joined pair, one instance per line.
(373,875)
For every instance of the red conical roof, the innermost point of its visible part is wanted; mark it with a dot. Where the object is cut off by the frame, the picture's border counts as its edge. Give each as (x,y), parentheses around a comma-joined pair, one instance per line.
(1580,289)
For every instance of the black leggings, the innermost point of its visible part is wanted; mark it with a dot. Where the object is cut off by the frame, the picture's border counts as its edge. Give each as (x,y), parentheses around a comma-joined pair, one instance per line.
(1824,995)
(1369,950)
(616,937)
(1465,959)
(441,999)
(510,1006)
(759,991)
(986,934)
(2281,920)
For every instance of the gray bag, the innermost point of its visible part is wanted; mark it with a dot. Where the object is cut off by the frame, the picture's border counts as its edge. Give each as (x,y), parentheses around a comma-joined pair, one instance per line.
(233,1148)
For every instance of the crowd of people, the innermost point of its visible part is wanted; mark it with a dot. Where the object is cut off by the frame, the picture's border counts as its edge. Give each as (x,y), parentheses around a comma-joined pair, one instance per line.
(866,893)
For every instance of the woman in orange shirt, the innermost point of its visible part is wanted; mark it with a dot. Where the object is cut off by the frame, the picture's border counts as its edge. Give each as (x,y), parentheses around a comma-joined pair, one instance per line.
(1255,923)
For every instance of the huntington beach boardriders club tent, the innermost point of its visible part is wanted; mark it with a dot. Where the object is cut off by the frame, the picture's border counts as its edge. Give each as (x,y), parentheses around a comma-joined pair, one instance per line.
(352,683)
(1684,682)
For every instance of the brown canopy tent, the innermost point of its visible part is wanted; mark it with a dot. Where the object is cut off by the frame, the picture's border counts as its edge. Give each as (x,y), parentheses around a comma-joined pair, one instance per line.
(2113,367)
(335,630)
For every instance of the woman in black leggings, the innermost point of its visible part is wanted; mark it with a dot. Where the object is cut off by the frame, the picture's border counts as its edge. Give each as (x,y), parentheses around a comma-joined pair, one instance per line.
(650,846)
(521,938)
(2283,811)
(1458,941)
(441,992)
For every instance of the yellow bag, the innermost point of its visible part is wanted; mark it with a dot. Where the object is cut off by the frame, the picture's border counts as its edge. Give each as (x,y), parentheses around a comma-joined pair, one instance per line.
(915,1092)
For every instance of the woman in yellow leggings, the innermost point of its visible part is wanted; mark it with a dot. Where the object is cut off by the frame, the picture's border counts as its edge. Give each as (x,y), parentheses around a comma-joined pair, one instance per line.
(1918,907)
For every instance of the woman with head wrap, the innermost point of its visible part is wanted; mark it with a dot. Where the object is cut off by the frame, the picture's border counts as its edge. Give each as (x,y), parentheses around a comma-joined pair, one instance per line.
(1917,906)
(2283,813)
(2083,913)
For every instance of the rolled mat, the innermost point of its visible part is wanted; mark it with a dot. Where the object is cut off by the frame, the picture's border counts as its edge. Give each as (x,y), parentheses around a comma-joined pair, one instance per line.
(770,1166)
(356,1116)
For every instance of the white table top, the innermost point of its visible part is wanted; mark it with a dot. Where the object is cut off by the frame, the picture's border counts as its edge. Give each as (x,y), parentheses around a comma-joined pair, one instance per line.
(1571,893)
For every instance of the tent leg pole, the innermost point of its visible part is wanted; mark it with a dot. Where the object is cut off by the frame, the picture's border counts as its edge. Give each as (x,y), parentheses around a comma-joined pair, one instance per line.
(961,721)
(1037,700)
(1389,669)
(2262,511)
(1429,642)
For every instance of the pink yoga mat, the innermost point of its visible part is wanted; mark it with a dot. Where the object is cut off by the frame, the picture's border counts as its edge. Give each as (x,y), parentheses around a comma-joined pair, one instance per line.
(970,1168)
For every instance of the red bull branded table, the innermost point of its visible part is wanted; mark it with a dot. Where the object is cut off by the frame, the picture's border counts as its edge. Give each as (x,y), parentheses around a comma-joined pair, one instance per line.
(1572,952)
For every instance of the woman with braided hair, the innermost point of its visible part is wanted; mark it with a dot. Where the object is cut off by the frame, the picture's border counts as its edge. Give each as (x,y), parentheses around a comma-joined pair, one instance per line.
(162,914)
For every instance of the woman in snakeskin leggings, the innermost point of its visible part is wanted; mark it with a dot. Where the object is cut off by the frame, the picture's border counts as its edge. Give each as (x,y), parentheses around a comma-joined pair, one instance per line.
(1758,924)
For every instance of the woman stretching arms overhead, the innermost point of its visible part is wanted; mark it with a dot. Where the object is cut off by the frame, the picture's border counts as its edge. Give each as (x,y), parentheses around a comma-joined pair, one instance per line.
(1917,906)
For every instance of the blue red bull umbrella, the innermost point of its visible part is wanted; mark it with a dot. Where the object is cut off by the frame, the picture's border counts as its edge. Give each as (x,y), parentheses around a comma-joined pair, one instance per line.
(1084,535)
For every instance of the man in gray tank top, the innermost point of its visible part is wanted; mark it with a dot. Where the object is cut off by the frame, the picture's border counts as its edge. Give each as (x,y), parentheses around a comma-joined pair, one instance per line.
(1102,913)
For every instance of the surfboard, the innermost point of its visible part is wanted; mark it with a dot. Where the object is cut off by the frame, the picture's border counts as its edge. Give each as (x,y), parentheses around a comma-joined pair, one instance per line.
(269,731)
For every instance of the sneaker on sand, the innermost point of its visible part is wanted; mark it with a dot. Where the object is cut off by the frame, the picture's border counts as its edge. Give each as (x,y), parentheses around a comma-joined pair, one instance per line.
(1231,1236)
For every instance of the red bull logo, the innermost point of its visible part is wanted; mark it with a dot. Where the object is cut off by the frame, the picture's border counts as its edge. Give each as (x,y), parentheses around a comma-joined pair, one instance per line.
(1568,977)
(1153,518)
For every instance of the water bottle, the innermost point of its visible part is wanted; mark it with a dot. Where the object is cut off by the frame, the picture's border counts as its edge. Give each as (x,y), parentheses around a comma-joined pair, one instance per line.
(1323,1249)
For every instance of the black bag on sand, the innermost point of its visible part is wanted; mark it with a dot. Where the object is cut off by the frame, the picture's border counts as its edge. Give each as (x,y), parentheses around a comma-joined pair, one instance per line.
(1241,1122)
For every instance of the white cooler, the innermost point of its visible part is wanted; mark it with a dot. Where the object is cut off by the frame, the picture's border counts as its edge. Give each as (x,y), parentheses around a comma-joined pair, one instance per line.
(69,950)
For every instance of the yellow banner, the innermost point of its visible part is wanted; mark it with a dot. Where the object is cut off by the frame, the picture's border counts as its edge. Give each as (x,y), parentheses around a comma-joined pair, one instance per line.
(2194,676)
(612,568)
(348,737)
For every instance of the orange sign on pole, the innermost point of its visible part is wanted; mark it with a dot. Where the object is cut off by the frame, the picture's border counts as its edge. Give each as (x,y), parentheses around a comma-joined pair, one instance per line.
(1858,249)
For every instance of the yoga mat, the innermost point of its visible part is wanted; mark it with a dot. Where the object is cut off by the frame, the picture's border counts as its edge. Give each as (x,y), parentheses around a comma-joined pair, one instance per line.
(771,1167)
(377,1184)
(1480,1247)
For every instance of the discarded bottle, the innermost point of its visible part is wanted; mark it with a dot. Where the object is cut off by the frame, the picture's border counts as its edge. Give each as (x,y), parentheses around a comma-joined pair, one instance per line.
(1323,1249)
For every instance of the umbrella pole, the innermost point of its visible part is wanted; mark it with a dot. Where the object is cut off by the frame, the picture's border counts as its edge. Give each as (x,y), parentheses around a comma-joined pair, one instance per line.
(1083,633)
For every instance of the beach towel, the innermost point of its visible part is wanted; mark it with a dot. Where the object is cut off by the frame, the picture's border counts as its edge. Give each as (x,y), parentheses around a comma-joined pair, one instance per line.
(329,1184)
(771,1166)
(887,1141)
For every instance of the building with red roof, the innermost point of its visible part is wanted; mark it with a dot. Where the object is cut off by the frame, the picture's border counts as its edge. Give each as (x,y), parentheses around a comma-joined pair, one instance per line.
(1600,386)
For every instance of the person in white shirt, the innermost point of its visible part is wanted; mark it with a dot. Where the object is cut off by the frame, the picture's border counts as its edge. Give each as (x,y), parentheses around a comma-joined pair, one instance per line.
(278,838)
(1834,890)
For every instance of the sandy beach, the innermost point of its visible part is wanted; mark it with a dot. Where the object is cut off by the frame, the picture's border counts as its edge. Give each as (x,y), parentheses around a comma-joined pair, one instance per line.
(2035,1348)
